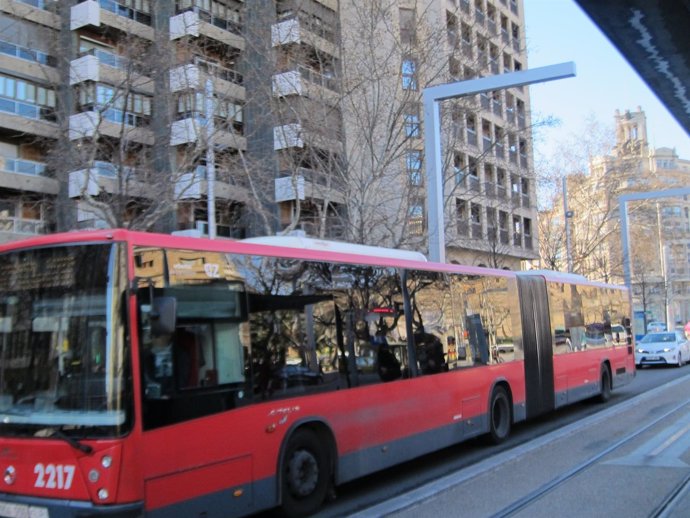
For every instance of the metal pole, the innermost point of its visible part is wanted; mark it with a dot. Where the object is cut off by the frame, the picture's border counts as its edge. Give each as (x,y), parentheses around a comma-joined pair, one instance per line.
(210,161)
(432,147)
(623,211)
(567,215)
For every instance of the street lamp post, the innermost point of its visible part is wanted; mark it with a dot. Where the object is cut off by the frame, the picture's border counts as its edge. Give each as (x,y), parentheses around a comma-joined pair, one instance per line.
(432,96)
(567,215)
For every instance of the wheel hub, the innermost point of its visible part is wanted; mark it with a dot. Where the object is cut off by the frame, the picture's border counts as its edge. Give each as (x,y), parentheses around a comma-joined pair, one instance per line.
(302,473)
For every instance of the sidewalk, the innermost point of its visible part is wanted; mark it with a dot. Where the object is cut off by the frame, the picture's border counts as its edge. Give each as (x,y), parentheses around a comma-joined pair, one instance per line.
(605,471)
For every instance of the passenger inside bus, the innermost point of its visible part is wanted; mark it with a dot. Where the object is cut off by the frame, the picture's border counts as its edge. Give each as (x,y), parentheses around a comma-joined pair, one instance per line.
(388,365)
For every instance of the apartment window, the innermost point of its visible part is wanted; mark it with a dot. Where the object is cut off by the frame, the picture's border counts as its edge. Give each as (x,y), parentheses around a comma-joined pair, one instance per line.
(415,215)
(104,96)
(458,166)
(665,163)
(413,163)
(130,109)
(25,91)
(461,217)
(527,227)
(476,220)
(503,231)
(138,10)
(230,111)
(491,224)
(454,67)
(409,74)
(471,130)
(223,16)
(26,53)
(411,121)
(517,231)
(408,26)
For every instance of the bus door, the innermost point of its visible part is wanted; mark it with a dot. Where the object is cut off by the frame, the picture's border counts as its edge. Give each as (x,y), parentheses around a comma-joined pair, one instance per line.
(536,337)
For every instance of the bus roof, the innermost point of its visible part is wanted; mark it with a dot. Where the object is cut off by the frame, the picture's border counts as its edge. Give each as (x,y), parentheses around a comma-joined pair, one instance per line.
(565,277)
(322,245)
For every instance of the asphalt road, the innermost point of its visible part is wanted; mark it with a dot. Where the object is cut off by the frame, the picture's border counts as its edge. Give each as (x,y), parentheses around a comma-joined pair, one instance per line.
(363,493)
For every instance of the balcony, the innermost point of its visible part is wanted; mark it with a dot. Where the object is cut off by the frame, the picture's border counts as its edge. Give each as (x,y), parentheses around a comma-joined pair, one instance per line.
(191,128)
(40,4)
(197,22)
(223,231)
(114,14)
(26,175)
(27,54)
(297,134)
(298,79)
(305,184)
(101,66)
(189,185)
(192,76)
(298,30)
(42,12)
(334,228)
(27,118)
(104,176)
(110,122)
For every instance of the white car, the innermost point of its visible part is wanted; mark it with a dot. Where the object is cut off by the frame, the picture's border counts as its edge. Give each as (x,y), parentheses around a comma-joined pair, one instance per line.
(654,327)
(663,348)
(619,334)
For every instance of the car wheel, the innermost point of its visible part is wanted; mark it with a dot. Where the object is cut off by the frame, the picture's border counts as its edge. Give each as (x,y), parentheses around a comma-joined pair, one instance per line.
(680,360)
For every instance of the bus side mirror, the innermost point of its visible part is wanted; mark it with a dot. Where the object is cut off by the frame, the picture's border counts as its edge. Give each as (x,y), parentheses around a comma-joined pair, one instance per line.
(163,316)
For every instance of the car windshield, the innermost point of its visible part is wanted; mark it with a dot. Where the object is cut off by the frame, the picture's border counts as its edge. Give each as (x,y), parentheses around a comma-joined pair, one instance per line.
(60,367)
(659,337)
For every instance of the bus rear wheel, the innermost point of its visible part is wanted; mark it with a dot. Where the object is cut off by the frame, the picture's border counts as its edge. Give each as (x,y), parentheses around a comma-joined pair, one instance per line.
(305,474)
(499,415)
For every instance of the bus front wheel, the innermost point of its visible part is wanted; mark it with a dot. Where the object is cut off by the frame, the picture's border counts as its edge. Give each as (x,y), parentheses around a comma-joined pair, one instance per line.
(499,415)
(605,389)
(305,474)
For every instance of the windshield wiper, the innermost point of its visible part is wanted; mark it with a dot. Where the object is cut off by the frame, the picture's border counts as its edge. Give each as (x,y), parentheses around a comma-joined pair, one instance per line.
(85,448)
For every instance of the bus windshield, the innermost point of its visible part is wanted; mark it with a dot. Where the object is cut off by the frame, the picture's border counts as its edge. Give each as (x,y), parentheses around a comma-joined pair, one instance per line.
(62,368)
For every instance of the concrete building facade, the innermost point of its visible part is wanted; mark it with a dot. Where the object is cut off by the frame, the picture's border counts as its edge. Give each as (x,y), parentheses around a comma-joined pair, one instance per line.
(246,118)
(659,229)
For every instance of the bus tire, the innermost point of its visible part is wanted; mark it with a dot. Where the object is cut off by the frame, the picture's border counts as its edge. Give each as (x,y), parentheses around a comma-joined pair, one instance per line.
(605,388)
(305,474)
(499,415)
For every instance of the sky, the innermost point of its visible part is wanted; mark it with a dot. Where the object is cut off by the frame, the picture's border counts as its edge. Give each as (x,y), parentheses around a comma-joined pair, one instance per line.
(558,31)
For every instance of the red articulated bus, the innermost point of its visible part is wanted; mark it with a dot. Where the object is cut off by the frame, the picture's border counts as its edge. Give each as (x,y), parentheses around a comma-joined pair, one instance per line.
(160,376)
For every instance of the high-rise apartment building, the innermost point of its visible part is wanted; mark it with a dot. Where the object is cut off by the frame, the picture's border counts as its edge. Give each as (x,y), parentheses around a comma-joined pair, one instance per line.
(244,118)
